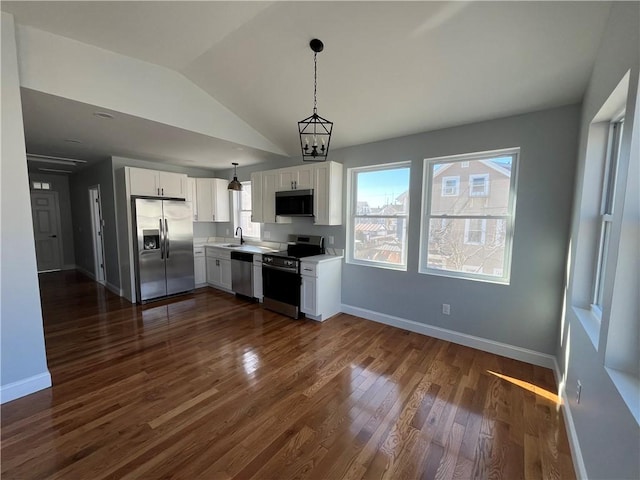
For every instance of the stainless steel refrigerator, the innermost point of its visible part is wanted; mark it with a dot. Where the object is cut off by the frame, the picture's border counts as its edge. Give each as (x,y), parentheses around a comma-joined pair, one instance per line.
(164,247)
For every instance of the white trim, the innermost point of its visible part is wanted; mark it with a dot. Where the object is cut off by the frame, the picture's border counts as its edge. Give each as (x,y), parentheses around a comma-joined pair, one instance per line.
(570,427)
(24,387)
(486,345)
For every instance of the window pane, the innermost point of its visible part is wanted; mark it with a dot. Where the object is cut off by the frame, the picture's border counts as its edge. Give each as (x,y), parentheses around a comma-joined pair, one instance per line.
(467,245)
(383,192)
(380,240)
(249,228)
(245,196)
(483,188)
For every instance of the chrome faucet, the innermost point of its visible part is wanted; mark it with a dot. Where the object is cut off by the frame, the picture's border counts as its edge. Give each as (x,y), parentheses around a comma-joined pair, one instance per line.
(241,239)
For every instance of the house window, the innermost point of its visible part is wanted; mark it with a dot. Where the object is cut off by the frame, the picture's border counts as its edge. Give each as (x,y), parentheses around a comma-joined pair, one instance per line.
(479,185)
(450,186)
(606,212)
(242,213)
(463,236)
(475,231)
(41,185)
(379,215)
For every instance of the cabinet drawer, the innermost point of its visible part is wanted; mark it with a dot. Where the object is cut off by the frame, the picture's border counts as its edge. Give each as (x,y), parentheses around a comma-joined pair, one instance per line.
(198,251)
(309,269)
(215,252)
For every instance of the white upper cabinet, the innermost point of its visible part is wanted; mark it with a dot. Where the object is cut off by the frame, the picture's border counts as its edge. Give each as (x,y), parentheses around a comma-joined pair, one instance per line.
(212,199)
(324,178)
(191,197)
(295,178)
(327,194)
(154,183)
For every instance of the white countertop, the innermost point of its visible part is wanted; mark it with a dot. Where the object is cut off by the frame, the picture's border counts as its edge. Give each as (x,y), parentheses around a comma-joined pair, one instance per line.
(321,258)
(243,248)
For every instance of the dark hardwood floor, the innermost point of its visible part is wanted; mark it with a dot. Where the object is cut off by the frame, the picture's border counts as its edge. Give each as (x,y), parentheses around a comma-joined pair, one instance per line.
(211,387)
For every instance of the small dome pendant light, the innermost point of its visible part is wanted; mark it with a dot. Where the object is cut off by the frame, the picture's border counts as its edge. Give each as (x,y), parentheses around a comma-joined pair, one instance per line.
(235,184)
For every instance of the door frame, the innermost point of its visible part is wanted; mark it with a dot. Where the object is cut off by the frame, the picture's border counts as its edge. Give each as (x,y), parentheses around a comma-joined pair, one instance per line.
(99,265)
(56,202)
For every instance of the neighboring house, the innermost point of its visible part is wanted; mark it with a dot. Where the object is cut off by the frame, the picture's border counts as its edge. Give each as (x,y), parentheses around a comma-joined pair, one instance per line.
(469,188)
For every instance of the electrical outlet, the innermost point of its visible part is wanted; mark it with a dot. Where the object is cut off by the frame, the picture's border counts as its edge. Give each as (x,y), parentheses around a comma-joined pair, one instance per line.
(330,239)
(578,391)
(446,309)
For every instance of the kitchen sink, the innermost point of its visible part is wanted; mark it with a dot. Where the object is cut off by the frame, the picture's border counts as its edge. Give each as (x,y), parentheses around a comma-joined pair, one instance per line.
(232,245)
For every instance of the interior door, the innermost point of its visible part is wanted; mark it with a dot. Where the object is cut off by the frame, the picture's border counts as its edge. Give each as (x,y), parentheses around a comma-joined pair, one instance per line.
(45,213)
(178,232)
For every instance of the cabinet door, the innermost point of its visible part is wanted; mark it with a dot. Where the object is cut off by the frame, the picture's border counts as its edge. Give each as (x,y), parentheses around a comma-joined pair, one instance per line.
(256,198)
(203,199)
(327,194)
(191,197)
(269,187)
(220,199)
(213,271)
(286,179)
(225,273)
(304,177)
(172,184)
(143,182)
(308,295)
(200,270)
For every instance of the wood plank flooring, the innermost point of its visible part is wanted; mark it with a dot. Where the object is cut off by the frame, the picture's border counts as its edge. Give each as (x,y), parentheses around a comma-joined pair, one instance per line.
(211,387)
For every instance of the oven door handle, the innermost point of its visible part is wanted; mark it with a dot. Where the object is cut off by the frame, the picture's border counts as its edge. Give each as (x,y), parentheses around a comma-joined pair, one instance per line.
(281,269)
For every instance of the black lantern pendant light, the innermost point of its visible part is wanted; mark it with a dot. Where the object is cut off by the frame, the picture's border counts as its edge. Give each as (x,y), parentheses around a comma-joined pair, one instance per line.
(315,131)
(235,184)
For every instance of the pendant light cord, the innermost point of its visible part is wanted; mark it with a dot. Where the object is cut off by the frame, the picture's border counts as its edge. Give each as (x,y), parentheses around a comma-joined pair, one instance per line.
(315,82)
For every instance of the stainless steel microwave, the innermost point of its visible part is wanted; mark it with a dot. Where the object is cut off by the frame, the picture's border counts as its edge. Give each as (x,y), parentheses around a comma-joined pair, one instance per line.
(294,203)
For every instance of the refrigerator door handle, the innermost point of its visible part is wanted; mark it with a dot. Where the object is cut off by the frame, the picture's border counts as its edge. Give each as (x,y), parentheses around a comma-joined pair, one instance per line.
(161,240)
(166,236)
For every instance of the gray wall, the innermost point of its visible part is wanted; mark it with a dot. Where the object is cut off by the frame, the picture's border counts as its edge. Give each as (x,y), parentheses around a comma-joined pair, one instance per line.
(22,350)
(98,174)
(607,432)
(526,312)
(60,184)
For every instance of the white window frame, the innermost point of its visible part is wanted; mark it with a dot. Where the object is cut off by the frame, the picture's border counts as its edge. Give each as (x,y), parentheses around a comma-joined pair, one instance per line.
(609,181)
(509,218)
(467,230)
(485,190)
(237,209)
(352,215)
(446,192)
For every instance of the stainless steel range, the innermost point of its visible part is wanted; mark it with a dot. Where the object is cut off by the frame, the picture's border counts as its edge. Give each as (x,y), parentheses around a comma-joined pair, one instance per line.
(281,273)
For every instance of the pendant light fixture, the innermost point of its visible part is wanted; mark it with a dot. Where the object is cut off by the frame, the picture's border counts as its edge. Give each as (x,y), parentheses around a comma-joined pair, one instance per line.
(235,184)
(315,131)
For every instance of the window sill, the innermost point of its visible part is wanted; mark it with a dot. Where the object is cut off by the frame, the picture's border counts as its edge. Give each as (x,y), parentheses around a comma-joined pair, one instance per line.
(463,276)
(590,323)
(399,268)
(629,388)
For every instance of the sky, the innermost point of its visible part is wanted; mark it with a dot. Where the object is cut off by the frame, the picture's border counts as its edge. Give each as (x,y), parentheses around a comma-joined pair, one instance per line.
(381,187)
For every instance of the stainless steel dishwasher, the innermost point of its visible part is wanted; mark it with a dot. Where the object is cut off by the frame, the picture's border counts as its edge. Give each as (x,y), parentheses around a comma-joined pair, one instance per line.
(242,273)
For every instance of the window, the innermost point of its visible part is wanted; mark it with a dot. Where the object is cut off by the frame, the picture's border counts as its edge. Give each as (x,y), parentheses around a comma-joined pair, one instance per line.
(379,214)
(475,231)
(450,186)
(606,212)
(41,186)
(479,185)
(465,236)
(242,213)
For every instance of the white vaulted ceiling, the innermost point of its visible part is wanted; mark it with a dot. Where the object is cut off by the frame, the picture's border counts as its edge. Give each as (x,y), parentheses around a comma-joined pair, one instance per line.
(388,68)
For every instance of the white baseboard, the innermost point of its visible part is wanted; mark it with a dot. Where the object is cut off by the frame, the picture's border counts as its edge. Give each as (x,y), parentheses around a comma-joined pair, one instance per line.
(114,289)
(491,346)
(69,266)
(24,387)
(86,272)
(576,452)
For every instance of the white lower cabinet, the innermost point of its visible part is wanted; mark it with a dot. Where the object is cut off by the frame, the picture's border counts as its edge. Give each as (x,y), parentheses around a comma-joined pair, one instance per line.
(199,266)
(320,292)
(218,268)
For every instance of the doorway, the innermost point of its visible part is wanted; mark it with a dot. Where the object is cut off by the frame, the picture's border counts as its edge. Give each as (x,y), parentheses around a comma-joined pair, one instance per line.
(45,212)
(95,205)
